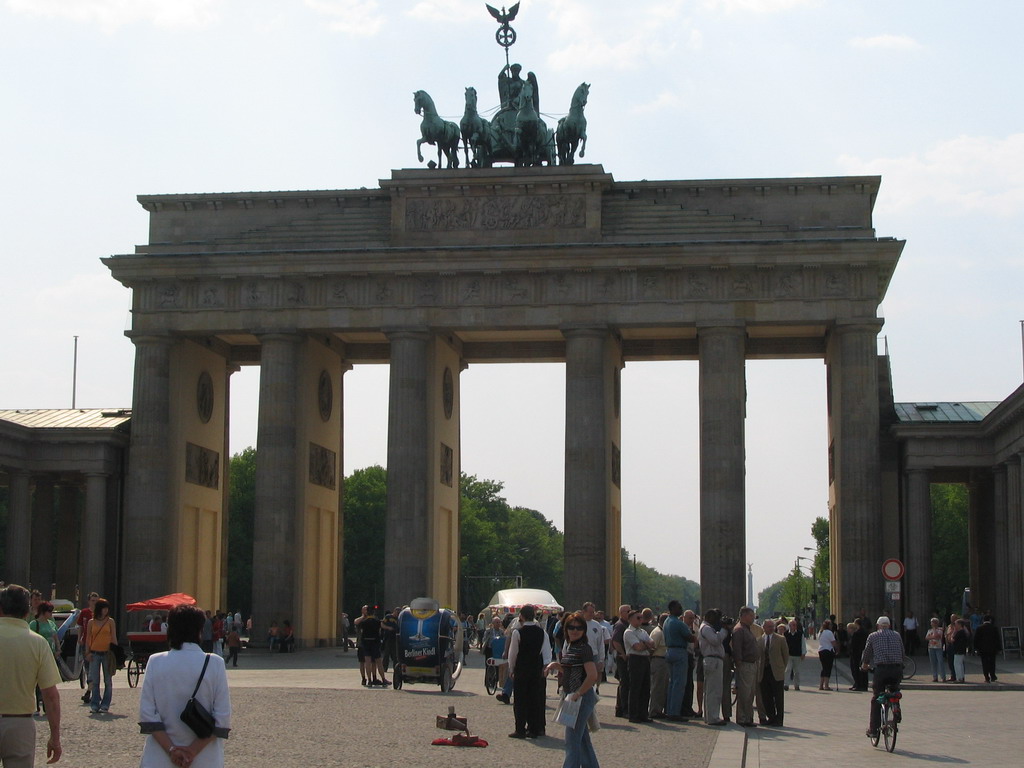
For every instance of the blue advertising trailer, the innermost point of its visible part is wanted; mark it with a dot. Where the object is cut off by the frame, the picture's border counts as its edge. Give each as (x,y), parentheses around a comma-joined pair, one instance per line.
(429,645)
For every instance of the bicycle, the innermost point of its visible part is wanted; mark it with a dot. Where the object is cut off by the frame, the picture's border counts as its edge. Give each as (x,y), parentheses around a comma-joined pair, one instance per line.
(890,719)
(490,678)
(909,667)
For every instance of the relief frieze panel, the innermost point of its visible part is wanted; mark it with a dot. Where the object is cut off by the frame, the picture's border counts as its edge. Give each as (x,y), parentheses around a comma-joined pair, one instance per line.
(323,466)
(454,214)
(527,287)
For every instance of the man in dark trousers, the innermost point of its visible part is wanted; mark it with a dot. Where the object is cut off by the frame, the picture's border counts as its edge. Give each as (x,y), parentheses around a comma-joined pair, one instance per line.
(529,652)
(776,656)
(858,639)
(988,643)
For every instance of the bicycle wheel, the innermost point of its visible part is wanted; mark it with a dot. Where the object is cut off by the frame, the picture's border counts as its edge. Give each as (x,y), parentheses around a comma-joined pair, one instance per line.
(134,670)
(883,725)
(889,730)
(491,679)
(909,667)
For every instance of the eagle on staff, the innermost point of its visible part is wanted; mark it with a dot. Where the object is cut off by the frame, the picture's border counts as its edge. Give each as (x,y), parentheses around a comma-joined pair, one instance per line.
(506,36)
(503,17)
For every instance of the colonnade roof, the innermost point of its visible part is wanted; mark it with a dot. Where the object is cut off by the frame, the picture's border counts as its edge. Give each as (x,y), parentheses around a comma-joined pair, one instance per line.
(68,418)
(944,413)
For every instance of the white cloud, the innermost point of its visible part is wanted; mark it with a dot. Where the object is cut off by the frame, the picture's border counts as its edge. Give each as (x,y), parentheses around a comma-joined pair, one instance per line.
(890,42)
(448,11)
(757,6)
(666,100)
(111,14)
(639,34)
(967,174)
(353,17)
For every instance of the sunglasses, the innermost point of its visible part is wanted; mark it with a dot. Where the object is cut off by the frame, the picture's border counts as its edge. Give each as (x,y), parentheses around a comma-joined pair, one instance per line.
(575,628)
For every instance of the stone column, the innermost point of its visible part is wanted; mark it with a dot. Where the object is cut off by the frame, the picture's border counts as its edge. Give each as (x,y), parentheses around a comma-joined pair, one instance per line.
(999,530)
(274,589)
(94,534)
(19,527)
(592,542)
(68,540)
(852,357)
(406,544)
(919,597)
(723,394)
(41,561)
(148,517)
(1015,542)
(980,543)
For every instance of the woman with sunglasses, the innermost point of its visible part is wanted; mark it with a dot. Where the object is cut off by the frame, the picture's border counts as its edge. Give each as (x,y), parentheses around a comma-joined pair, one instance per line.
(579,675)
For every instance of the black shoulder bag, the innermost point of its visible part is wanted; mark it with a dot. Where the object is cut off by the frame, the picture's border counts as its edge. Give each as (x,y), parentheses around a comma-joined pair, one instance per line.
(195,715)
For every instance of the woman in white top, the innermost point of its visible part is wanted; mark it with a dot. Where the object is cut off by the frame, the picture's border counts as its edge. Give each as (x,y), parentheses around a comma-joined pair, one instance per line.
(168,684)
(826,653)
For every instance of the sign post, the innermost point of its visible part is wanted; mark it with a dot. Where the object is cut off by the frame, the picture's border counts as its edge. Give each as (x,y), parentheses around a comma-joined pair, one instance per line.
(893,571)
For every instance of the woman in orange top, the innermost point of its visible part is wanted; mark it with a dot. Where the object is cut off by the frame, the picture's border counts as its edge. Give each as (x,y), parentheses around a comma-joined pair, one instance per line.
(100,632)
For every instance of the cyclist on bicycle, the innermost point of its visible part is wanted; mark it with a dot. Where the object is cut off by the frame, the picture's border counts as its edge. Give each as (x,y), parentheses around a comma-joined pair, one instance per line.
(884,652)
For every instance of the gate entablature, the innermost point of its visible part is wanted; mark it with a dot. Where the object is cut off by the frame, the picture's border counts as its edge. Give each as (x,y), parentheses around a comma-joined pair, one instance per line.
(517,250)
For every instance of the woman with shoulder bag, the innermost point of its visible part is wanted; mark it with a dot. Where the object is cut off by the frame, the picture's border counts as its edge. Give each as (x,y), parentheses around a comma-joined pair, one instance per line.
(172,679)
(100,634)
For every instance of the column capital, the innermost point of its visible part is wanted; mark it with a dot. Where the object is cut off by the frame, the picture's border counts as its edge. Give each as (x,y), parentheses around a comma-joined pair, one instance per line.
(579,331)
(724,326)
(288,335)
(858,325)
(421,333)
(148,337)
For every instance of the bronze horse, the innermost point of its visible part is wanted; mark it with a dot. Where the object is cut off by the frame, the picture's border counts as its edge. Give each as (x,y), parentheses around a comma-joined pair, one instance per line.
(434,130)
(476,134)
(572,130)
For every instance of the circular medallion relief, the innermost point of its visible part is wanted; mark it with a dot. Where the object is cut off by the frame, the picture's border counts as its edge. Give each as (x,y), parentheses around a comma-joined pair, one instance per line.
(448,392)
(204,396)
(325,395)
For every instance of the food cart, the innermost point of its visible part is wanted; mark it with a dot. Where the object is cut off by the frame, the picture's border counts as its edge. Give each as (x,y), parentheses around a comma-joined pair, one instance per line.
(142,645)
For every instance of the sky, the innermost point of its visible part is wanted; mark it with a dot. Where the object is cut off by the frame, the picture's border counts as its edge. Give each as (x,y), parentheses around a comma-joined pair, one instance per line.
(103,100)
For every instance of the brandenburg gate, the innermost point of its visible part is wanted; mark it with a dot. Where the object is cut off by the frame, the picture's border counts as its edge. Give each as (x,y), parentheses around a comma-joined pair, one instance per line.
(436,270)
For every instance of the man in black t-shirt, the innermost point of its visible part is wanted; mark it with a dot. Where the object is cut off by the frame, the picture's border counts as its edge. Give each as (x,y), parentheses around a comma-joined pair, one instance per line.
(370,632)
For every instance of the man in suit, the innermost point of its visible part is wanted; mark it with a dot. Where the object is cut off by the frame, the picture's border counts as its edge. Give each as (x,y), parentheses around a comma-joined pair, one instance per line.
(776,655)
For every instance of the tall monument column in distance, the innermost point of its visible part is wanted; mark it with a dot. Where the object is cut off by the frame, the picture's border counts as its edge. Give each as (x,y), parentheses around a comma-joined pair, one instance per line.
(856,498)
(919,545)
(593,532)
(406,543)
(722,391)
(278,457)
(148,520)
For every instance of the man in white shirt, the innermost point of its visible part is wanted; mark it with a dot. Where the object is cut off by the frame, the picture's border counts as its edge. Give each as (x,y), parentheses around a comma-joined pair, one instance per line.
(597,636)
(638,646)
(528,654)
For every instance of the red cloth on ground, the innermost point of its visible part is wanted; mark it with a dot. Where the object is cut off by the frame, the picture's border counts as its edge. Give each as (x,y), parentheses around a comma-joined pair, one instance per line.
(459,740)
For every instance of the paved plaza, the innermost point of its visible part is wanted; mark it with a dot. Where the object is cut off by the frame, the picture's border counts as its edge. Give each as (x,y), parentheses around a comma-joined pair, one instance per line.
(308,709)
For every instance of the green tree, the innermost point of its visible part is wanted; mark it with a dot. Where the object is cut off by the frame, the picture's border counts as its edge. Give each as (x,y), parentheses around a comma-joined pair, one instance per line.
(501,544)
(769,599)
(950,559)
(365,512)
(241,513)
(654,589)
(820,568)
(797,589)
